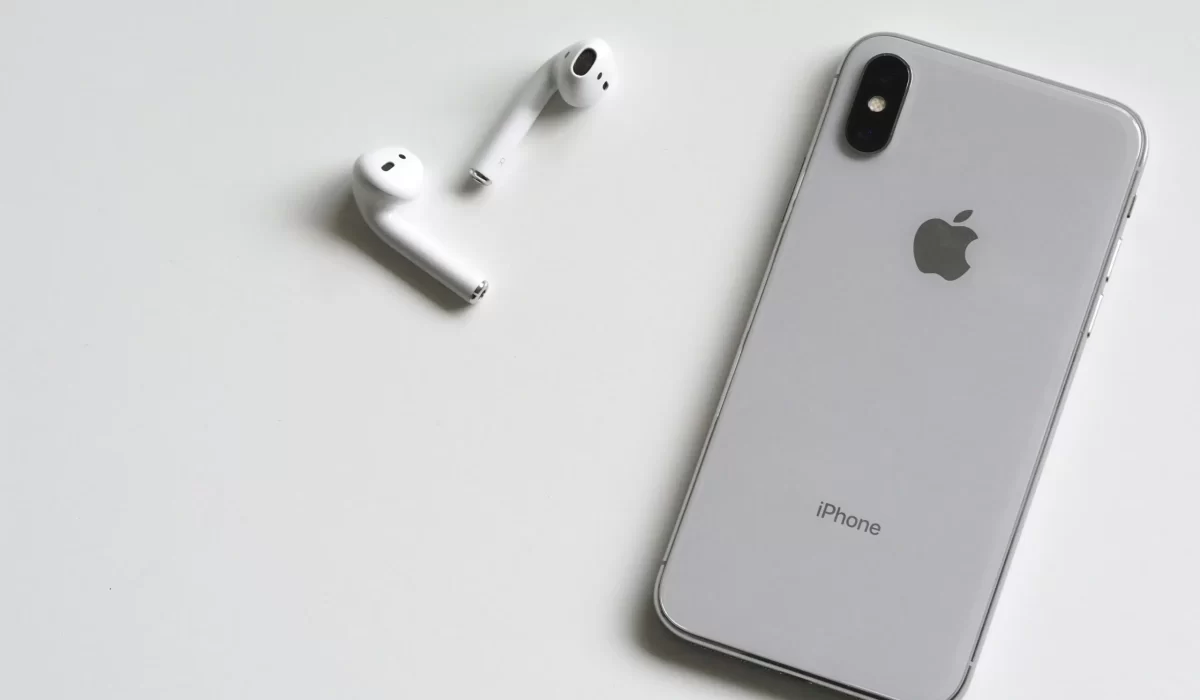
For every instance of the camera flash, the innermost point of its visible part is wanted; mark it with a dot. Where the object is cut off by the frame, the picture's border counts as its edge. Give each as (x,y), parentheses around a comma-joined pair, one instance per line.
(876,104)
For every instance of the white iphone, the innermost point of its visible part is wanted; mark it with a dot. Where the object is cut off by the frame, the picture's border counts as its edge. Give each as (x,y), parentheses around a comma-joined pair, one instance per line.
(935,279)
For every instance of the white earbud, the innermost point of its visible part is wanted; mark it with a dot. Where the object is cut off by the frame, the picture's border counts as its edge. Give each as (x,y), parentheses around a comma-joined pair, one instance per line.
(385,179)
(582,73)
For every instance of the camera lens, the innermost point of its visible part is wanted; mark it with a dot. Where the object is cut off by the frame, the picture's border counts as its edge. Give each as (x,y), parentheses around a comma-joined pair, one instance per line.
(877,104)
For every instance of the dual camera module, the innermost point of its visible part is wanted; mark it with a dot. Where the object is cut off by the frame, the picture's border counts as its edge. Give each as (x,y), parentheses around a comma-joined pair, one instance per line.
(877,105)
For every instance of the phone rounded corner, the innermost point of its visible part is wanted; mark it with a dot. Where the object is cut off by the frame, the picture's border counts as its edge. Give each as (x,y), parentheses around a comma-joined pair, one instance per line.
(1139,127)
(664,616)
(1133,123)
(960,690)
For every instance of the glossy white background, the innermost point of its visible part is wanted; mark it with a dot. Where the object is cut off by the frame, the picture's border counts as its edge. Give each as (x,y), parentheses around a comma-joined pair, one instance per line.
(246,451)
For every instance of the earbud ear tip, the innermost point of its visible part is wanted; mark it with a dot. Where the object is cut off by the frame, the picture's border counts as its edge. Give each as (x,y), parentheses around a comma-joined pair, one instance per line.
(586,72)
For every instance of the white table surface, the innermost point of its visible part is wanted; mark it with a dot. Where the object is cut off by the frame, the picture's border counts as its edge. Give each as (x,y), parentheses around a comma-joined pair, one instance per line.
(248,452)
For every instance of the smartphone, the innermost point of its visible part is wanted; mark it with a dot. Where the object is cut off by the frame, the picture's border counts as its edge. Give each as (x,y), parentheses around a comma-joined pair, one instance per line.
(880,435)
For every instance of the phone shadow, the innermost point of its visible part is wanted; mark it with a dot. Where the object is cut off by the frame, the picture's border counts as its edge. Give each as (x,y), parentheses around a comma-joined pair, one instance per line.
(655,639)
(647,630)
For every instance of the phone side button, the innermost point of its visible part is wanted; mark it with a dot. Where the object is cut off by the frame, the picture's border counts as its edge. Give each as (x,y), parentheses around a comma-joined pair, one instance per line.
(1112,261)
(1132,202)
(1095,313)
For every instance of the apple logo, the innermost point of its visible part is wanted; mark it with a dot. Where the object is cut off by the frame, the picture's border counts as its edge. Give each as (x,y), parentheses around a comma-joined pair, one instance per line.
(941,248)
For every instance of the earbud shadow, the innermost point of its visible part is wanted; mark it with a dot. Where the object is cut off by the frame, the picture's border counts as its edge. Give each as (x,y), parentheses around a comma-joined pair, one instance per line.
(647,630)
(346,224)
(467,187)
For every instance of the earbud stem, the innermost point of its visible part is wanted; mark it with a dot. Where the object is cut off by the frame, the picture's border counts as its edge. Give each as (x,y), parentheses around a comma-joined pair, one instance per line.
(490,162)
(424,252)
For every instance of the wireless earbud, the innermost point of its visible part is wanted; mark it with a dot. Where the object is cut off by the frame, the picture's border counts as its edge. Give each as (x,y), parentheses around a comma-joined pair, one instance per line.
(582,73)
(385,179)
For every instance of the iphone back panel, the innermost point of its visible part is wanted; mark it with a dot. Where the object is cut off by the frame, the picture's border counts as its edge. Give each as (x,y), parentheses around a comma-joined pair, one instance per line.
(864,481)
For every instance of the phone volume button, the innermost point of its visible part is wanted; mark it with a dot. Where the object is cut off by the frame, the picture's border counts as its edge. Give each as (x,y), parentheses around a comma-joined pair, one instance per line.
(1095,313)
(1112,261)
